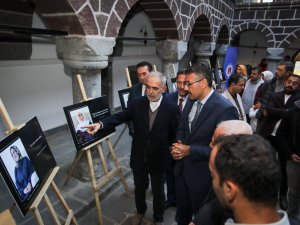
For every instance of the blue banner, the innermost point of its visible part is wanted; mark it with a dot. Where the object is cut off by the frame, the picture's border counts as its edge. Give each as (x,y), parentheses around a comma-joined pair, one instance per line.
(230,61)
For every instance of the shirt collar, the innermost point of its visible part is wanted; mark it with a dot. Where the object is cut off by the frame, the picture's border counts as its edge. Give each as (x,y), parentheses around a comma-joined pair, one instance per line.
(155,105)
(207,97)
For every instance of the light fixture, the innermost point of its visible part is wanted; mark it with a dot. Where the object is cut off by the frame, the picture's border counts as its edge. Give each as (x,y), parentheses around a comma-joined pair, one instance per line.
(143,30)
(255,49)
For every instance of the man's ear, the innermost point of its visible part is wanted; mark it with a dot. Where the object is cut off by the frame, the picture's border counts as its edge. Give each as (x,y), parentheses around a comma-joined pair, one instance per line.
(230,191)
(164,89)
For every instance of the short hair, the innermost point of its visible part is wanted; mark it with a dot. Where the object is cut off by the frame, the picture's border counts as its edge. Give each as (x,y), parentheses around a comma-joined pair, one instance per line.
(158,74)
(235,78)
(258,68)
(145,63)
(289,66)
(249,161)
(231,127)
(16,149)
(180,72)
(202,71)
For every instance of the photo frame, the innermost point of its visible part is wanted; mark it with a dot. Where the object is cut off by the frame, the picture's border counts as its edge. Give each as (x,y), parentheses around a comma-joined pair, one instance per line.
(221,74)
(26,162)
(297,68)
(133,75)
(174,84)
(83,114)
(123,96)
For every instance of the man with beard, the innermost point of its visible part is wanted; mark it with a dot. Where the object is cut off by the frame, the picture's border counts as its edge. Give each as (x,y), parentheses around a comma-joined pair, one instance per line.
(236,83)
(251,86)
(288,138)
(246,179)
(155,119)
(276,109)
(283,70)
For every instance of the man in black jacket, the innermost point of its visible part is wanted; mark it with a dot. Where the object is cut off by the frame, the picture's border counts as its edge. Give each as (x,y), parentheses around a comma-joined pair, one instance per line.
(155,119)
(275,110)
(288,135)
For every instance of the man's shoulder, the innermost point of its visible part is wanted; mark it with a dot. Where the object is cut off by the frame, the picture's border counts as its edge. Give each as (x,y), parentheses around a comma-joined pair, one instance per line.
(220,99)
(167,101)
(136,86)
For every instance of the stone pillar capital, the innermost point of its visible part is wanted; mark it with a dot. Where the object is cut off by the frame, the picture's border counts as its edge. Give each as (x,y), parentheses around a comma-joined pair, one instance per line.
(275,53)
(171,50)
(221,50)
(204,49)
(84,52)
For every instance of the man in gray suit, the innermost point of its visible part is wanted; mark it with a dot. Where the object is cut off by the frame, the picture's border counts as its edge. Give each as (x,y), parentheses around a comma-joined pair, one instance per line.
(204,110)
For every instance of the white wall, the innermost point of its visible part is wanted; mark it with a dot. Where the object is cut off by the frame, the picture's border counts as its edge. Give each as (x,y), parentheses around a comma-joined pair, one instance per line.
(119,64)
(133,53)
(250,38)
(36,87)
(246,54)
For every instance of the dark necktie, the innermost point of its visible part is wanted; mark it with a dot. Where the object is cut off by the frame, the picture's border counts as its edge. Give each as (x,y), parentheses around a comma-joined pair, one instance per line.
(199,106)
(181,104)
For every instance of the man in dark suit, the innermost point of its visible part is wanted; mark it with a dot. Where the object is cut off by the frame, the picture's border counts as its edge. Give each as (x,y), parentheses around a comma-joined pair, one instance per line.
(205,109)
(276,109)
(179,97)
(155,121)
(142,70)
(289,141)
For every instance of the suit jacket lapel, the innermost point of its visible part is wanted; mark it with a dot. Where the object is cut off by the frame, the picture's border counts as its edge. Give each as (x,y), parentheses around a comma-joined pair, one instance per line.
(206,110)
(144,110)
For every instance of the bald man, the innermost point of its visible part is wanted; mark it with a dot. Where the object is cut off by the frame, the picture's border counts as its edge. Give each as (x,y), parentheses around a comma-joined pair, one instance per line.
(211,212)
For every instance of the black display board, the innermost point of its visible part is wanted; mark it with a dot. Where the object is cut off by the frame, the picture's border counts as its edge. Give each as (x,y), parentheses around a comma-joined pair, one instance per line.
(85,113)
(26,162)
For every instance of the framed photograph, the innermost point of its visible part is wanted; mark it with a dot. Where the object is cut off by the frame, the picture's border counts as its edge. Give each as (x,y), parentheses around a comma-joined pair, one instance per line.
(297,68)
(123,95)
(174,84)
(84,113)
(26,162)
(133,76)
(221,74)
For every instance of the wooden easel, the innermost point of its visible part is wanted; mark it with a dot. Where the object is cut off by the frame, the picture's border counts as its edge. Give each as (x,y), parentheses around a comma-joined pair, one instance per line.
(108,175)
(125,125)
(50,182)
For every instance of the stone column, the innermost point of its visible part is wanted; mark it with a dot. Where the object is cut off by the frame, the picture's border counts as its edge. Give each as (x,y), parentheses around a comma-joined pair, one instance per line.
(87,56)
(274,56)
(203,50)
(170,52)
(220,54)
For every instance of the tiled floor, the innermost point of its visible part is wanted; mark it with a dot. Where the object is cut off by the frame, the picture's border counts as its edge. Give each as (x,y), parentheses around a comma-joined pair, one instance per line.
(116,205)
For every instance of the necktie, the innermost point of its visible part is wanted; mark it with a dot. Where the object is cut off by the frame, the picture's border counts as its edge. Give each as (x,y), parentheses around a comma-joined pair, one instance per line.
(199,106)
(181,104)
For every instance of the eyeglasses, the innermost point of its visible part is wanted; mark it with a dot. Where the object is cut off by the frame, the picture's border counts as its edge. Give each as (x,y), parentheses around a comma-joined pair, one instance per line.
(187,83)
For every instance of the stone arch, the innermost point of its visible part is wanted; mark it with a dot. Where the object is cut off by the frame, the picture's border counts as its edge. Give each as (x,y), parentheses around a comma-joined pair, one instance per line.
(255,26)
(161,13)
(221,37)
(290,39)
(62,15)
(202,9)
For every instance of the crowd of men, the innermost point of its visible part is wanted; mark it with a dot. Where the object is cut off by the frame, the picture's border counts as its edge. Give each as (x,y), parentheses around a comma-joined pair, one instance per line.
(200,144)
